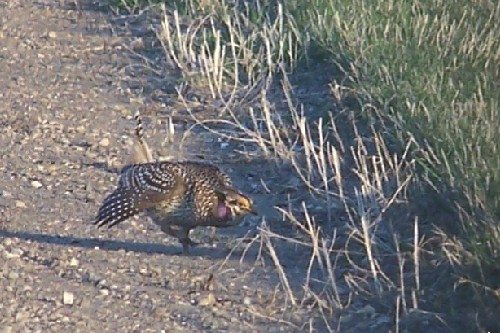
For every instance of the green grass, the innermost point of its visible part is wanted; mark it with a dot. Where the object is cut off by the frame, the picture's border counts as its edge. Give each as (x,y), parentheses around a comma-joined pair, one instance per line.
(433,67)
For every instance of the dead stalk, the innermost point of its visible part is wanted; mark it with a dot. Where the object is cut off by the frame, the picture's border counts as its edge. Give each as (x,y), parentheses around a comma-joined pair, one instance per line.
(239,72)
(277,264)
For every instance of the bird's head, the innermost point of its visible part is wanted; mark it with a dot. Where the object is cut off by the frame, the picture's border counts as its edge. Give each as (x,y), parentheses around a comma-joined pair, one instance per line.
(233,205)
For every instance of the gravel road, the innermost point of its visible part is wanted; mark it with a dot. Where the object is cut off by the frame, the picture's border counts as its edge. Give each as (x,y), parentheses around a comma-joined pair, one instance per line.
(65,113)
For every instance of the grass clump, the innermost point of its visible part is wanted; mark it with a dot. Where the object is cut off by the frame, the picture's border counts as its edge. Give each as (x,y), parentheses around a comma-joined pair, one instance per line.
(433,68)
(429,72)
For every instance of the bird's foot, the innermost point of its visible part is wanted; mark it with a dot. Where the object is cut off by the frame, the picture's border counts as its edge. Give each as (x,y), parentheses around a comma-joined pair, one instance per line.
(187,244)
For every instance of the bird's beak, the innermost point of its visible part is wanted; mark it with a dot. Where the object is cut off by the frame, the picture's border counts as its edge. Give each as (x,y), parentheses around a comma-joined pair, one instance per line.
(252,210)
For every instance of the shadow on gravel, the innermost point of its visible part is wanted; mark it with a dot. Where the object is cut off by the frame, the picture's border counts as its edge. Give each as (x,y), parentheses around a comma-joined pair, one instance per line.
(109,245)
(87,5)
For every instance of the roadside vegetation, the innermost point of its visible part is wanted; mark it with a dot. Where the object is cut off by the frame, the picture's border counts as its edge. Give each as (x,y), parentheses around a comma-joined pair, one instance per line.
(405,143)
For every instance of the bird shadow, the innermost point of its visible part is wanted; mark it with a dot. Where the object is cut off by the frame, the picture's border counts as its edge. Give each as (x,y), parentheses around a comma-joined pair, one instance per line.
(112,245)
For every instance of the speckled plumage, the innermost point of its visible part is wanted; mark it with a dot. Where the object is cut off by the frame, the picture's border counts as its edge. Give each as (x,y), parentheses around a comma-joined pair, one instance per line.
(177,196)
(169,185)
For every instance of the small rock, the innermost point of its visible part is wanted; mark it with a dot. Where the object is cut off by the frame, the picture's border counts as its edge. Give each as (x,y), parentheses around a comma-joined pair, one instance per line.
(68,298)
(52,34)
(21,316)
(80,129)
(208,300)
(247,301)
(20,204)
(15,252)
(137,44)
(104,142)
(74,262)
(5,194)
(90,196)
(104,292)
(36,184)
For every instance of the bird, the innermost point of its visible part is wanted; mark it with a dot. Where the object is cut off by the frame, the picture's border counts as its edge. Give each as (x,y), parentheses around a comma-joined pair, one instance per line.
(178,196)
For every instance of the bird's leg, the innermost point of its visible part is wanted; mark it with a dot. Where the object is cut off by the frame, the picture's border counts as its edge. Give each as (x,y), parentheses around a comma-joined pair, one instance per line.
(182,234)
(187,244)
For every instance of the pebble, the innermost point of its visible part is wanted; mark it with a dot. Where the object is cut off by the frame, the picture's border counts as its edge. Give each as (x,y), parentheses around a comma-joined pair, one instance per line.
(5,194)
(52,34)
(36,184)
(207,300)
(74,262)
(15,252)
(21,316)
(68,298)
(137,44)
(20,204)
(104,142)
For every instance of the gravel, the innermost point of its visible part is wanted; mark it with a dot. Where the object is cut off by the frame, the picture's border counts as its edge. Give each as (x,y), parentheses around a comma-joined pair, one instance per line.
(65,120)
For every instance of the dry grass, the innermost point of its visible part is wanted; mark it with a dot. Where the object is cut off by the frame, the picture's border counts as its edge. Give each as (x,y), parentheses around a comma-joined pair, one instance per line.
(432,69)
(429,126)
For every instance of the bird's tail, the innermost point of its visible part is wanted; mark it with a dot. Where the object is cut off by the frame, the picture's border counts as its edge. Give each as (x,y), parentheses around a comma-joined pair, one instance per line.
(141,153)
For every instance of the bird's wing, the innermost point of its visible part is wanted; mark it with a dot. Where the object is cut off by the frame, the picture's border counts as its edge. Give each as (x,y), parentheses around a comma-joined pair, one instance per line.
(141,187)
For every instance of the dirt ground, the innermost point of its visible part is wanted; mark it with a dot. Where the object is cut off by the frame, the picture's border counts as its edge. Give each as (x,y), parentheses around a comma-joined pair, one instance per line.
(69,86)
(66,104)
